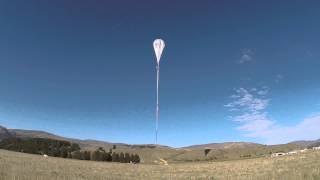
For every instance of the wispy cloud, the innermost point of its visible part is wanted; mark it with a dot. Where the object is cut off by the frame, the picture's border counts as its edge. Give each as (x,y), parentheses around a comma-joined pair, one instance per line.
(250,107)
(263,91)
(246,56)
(245,100)
(279,78)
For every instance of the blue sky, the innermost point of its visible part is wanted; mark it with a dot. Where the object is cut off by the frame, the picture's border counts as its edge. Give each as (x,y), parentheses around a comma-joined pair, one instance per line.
(231,70)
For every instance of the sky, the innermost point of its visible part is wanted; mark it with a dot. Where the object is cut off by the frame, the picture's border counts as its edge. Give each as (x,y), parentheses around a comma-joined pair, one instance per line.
(231,70)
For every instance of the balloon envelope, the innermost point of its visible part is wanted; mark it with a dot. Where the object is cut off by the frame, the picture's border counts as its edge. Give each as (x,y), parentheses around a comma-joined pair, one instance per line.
(158,46)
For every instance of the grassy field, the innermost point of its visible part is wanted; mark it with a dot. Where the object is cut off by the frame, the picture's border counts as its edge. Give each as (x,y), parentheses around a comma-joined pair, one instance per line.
(19,166)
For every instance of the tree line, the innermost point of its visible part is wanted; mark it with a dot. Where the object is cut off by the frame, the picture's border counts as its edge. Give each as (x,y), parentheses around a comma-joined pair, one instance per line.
(65,149)
(102,155)
(55,148)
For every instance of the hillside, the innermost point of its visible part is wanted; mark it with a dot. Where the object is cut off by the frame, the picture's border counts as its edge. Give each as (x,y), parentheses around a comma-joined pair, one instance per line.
(15,165)
(226,145)
(87,144)
(305,143)
(150,153)
(21,133)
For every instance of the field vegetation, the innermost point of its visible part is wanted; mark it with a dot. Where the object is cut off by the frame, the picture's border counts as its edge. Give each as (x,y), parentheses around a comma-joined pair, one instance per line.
(14,166)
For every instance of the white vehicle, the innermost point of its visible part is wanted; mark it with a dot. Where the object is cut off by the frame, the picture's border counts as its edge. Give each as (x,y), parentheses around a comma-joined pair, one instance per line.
(316,148)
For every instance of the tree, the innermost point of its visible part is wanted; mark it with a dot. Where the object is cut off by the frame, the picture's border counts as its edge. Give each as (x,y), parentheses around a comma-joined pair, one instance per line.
(75,147)
(206,151)
(95,156)
(127,158)
(107,156)
(85,155)
(132,158)
(63,152)
(136,158)
(115,157)
(121,157)
(101,149)
(76,155)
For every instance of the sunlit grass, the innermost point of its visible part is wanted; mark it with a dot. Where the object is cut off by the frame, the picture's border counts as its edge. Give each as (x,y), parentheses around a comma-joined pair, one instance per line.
(16,166)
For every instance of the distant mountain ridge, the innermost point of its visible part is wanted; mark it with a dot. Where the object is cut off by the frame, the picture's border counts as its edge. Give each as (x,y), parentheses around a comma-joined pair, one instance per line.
(85,144)
(89,143)
(225,145)
(20,133)
(306,143)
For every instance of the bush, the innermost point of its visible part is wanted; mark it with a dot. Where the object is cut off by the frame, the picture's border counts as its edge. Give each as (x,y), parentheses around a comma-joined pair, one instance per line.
(206,151)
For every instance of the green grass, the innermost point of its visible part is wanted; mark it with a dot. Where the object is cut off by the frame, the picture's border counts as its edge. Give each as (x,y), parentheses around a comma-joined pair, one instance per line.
(19,166)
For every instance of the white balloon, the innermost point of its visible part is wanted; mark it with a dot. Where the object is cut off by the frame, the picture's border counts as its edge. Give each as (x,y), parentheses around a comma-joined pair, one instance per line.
(158,46)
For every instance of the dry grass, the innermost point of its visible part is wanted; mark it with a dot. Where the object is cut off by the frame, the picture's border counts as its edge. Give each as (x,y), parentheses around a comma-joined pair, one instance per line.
(19,166)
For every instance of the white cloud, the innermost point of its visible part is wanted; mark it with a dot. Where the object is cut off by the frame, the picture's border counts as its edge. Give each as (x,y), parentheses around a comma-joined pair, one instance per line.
(251,108)
(307,129)
(246,101)
(264,91)
(278,78)
(246,56)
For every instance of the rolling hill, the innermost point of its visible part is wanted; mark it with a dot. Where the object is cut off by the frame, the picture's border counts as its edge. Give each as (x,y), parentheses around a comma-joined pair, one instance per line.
(151,153)
(306,143)
(226,145)
(84,144)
